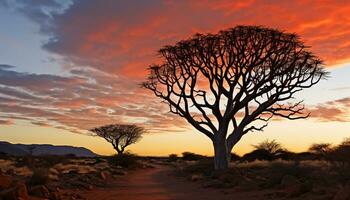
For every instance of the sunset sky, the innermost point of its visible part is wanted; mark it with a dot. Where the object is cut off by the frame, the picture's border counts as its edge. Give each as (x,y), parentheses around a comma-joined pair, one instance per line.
(69,66)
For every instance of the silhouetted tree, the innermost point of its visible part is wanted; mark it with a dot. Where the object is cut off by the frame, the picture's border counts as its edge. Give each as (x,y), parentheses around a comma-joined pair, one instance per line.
(228,84)
(120,135)
(320,148)
(272,147)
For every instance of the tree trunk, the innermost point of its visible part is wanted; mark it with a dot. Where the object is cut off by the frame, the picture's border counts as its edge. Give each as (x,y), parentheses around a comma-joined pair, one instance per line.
(120,152)
(221,155)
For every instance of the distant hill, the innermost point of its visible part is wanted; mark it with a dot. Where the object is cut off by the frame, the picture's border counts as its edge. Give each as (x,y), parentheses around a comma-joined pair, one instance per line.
(43,149)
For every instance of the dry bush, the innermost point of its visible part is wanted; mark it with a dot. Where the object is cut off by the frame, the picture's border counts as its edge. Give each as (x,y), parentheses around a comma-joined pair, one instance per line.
(78,168)
(125,160)
(272,146)
(40,177)
(191,156)
(203,167)
(173,158)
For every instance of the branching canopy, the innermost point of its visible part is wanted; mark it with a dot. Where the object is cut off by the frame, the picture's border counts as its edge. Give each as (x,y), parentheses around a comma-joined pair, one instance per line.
(119,135)
(227,81)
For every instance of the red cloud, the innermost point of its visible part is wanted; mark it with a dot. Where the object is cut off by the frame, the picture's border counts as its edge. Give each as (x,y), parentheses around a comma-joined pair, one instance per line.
(122,37)
(111,44)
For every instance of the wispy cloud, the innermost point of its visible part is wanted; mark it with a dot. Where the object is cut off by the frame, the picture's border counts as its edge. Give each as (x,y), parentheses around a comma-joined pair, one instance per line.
(107,46)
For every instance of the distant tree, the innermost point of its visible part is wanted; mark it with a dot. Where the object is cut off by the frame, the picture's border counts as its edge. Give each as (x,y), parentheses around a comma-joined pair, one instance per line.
(321,148)
(345,142)
(228,84)
(120,135)
(341,153)
(173,157)
(272,147)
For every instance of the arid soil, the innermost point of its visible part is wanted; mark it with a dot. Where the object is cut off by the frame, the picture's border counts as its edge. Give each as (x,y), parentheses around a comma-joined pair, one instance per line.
(159,184)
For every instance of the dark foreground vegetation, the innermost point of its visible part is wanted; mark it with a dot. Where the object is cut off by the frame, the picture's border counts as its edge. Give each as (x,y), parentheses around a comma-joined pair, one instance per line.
(321,173)
(269,171)
(60,177)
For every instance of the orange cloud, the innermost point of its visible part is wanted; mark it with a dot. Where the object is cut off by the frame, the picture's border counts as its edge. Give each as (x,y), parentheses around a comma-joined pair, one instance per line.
(110,45)
(124,40)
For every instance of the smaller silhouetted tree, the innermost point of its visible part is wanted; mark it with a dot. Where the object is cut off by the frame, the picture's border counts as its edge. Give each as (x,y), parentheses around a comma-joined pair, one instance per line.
(320,148)
(120,135)
(272,147)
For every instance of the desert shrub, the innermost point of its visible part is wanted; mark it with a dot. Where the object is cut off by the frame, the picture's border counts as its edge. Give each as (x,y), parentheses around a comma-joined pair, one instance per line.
(126,160)
(284,155)
(305,156)
(173,158)
(191,156)
(98,160)
(272,147)
(340,159)
(25,161)
(235,157)
(321,150)
(4,156)
(341,153)
(256,164)
(203,166)
(278,169)
(258,154)
(40,177)
(51,160)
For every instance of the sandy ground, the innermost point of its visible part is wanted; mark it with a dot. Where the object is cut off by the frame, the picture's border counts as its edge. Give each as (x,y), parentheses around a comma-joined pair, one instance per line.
(159,184)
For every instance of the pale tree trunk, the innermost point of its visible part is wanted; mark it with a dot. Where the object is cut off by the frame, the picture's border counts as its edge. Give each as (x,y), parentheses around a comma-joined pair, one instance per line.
(119,151)
(223,148)
(221,154)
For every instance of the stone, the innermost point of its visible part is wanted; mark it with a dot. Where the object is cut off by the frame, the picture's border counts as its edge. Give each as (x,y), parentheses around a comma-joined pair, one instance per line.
(104,175)
(53,171)
(39,191)
(55,196)
(22,192)
(196,177)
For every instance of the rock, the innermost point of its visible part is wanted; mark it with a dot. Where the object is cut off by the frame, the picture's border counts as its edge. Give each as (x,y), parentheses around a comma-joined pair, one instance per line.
(196,177)
(343,193)
(53,177)
(104,175)
(5,181)
(53,171)
(55,196)
(288,181)
(39,191)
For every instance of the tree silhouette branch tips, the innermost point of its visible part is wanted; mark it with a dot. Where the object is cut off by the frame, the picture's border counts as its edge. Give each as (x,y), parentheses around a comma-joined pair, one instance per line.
(228,84)
(119,135)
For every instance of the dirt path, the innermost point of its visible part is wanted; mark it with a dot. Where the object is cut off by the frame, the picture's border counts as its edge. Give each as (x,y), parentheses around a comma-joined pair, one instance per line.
(157,184)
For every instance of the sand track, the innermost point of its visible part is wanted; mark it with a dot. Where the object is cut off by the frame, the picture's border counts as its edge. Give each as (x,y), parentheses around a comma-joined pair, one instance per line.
(156,184)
